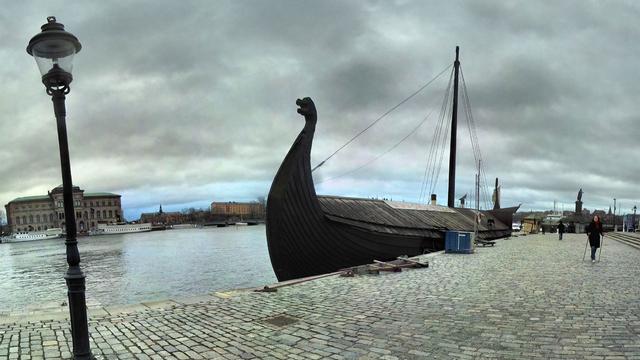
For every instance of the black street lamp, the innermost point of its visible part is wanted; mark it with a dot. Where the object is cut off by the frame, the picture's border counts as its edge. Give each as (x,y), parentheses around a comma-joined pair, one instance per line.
(634,218)
(53,50)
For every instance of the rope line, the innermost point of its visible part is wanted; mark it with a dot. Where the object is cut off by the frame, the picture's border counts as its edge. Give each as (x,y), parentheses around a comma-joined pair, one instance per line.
(435,146)
(382,154)
(382,117)
(483,184)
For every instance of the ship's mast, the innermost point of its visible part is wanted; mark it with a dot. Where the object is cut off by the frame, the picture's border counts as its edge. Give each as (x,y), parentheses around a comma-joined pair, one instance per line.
(454,130)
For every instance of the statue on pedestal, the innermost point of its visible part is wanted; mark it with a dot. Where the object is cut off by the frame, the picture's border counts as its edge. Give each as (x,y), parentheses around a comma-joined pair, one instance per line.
(579,203)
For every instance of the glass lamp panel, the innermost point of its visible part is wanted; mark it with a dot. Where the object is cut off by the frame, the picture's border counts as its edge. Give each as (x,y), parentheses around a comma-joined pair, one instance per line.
(45,64)
(54,51)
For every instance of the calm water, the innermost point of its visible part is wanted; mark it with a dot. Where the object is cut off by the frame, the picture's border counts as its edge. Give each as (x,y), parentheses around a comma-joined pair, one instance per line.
(131,268)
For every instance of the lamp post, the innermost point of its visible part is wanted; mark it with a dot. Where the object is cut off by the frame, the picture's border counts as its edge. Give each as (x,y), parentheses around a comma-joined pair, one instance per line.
(53,50)
(634,218)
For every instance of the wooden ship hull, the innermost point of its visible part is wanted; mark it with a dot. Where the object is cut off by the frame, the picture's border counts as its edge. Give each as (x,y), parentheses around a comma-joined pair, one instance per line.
(310,235)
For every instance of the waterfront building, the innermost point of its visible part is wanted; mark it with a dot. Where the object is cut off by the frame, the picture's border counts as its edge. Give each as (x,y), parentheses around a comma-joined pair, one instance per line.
(162,217)
(247,210)
(41,212)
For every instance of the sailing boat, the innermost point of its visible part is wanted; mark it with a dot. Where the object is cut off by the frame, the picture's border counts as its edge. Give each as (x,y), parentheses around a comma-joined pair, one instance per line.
(310,235)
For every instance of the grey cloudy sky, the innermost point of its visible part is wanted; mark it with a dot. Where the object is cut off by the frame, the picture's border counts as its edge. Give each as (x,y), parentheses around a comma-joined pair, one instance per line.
(186,102)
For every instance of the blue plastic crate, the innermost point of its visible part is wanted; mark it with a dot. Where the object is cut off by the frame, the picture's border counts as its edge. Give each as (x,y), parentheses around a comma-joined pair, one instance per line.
(458,242)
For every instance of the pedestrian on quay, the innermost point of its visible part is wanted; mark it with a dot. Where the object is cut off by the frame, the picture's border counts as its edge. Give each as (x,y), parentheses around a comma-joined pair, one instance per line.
(560,230)
(594,231)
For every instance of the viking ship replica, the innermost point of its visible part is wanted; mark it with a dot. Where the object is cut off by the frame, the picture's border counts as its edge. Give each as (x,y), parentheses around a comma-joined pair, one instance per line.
(310,235)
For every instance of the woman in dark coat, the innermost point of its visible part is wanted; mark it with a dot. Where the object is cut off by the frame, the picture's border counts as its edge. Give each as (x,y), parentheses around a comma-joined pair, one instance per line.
(594,231)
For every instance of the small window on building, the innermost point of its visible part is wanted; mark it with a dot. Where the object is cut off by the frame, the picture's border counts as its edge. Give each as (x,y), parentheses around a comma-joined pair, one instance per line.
(18,220)
(110,213)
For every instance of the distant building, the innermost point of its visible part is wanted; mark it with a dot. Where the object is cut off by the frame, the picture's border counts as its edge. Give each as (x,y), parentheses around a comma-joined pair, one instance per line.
(41,212)
(630,222)
(162,217)
(531,224)
(247,210)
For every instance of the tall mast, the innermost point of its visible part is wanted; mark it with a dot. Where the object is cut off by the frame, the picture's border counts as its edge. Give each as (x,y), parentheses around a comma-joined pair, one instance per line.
(454,130)
(478,186)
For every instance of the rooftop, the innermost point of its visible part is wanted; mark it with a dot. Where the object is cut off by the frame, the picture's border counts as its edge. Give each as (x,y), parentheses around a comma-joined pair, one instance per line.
(46,197)
(30,198)
(101,194)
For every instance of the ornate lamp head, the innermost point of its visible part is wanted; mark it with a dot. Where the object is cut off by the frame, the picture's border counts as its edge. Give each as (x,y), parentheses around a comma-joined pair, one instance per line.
(54,49)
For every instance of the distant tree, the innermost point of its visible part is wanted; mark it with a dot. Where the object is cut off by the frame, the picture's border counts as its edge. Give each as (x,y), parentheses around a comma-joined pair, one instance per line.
(262,200)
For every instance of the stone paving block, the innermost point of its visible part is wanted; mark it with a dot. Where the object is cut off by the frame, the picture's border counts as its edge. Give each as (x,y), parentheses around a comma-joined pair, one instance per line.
(124,309)
(527,297)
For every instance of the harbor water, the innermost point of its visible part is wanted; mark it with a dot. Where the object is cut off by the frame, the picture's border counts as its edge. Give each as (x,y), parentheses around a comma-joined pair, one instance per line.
(133,268)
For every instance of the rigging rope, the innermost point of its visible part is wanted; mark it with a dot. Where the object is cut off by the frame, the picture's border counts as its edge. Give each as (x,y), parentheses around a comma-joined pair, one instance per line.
(475,143)
(383,154)
(443,148)
(434,147)
(382,117)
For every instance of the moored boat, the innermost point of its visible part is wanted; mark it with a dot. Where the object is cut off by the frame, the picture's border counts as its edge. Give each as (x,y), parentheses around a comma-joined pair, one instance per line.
(183,226)
(114,229)
(52,233)
(309,234)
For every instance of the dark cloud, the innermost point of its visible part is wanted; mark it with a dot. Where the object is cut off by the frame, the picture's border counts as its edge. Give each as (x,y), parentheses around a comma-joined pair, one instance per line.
(186,102)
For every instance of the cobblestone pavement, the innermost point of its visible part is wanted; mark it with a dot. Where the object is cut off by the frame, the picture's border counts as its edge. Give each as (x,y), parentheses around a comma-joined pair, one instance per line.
(528,297)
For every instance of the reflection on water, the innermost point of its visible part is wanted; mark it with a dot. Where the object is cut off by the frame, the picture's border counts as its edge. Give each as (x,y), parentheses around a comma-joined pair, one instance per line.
(131,268)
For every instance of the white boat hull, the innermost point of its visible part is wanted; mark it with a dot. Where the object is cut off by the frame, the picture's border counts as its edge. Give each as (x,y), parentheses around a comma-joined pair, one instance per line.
(53,233)
(183,226)
(116,229)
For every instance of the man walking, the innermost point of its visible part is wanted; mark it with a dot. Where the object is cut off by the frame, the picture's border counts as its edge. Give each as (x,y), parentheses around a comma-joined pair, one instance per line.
(560,230)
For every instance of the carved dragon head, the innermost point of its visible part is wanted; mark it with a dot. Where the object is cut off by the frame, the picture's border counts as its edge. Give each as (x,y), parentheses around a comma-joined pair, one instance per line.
(307,108)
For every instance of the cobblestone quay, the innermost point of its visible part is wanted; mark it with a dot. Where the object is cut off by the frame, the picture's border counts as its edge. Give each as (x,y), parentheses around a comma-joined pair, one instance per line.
(528,297)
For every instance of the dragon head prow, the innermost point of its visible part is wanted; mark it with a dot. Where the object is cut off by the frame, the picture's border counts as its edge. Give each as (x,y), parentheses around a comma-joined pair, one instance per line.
(307,108)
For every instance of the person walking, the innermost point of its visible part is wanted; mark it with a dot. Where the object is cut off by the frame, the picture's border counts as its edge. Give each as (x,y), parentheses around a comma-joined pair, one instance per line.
(560,229)
(594,231)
